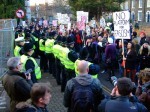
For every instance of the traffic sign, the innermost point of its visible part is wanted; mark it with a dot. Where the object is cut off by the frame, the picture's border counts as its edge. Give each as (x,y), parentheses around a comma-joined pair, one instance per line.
(20,13)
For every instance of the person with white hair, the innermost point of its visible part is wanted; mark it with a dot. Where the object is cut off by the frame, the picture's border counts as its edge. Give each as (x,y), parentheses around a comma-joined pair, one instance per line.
(16,83)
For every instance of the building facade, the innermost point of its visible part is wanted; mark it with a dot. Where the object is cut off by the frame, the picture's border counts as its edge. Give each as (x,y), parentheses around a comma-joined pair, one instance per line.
(139,10)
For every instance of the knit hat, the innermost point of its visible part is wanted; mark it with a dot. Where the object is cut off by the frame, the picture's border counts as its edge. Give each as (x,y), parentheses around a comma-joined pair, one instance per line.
(143,33)
(28,47)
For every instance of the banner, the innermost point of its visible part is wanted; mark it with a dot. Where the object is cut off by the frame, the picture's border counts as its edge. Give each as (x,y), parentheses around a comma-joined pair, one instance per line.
(121,22)
(54,22)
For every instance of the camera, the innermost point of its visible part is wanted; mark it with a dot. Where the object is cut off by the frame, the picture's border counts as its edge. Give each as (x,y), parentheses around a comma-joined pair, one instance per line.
(28,72)
(114,80)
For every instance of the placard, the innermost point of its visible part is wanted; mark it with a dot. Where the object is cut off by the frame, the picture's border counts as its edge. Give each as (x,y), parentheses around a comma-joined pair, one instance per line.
(121,22)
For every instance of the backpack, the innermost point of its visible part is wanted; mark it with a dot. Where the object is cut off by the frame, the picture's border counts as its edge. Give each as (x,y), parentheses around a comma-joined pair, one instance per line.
(82,98)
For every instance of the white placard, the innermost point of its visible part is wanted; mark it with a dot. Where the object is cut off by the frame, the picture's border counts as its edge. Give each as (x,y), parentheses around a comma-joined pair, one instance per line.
(93,23)
(69,26)
(59,17)
(54,22)
(62,28)
(102,22)
(79,14)
(88,30)
(121,22)
(86,15)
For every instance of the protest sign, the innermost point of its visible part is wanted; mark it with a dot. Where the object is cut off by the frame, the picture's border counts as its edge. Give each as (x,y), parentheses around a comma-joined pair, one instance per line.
(62,28)
(54,22)
(45,23)
(81,25)
(69,26)
(121,22)
(102,22)
(79,14)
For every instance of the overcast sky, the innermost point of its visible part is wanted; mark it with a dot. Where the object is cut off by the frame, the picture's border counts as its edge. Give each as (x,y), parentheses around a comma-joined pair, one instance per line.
(32,2)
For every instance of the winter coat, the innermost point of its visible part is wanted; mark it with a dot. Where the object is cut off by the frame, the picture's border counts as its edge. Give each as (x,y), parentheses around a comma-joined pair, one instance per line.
(83,80)
(17,87)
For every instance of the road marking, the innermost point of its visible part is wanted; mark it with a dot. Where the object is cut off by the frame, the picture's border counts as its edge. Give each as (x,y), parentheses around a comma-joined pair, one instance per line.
(106,89)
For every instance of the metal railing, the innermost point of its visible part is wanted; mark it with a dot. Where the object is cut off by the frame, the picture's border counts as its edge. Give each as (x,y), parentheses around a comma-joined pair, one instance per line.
(6,42)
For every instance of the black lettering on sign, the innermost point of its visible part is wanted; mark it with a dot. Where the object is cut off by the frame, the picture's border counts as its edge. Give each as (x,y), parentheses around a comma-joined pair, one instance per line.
(122,33)
(120,15)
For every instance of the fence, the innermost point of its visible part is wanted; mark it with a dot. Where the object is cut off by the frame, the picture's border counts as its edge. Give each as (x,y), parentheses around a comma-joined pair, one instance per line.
(6,42)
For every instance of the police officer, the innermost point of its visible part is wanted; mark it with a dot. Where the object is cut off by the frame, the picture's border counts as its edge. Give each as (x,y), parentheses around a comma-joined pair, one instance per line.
(43,58)
(49,43)
(62,56)
(18,51)
(56,51)
(93,68)
(30,63)
(70,58)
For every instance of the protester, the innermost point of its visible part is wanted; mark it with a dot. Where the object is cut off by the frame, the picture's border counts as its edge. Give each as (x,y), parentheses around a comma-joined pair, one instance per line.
(144,56)
(40,97)
(16,83)
(143,89)
(83,86)
(143,38)
(120,99)
(110,57)
(130,61)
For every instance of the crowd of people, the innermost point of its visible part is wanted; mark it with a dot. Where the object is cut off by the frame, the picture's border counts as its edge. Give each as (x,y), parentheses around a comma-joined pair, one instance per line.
(74,58)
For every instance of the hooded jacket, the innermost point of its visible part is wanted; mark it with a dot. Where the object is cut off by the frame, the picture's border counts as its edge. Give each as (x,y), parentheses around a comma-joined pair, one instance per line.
(83,80)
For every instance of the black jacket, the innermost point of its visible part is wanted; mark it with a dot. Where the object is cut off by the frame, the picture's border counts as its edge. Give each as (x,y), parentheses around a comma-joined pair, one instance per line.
(121,104)
(142,40)
(131,60)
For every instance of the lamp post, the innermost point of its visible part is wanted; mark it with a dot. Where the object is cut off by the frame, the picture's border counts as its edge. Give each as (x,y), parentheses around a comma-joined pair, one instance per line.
(28,10)
(148,17)
(37,10)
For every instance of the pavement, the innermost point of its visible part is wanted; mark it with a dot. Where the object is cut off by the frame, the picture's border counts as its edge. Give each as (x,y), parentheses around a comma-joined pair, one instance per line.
(56,102)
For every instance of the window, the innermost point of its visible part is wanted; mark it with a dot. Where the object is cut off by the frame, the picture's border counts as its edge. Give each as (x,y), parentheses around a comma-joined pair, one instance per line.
(139,15)
(126,5)
(140,3)
(147,16)
(133,3)
(132,16)
(148,3)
